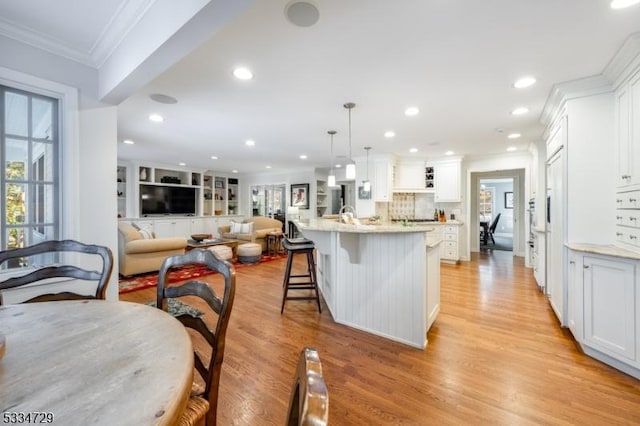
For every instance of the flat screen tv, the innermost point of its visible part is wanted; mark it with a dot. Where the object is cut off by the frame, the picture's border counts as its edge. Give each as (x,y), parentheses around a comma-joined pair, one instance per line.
(163,200)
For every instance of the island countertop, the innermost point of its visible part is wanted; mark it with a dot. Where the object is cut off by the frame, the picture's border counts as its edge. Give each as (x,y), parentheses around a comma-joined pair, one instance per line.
(335,226)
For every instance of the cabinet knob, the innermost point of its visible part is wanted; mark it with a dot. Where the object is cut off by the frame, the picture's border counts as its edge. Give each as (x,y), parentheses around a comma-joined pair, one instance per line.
(633,237)
(585,266)
(572,262)
(633,218)
(618,201)
(619,234)
(632,200)
(626,177)
(618,217)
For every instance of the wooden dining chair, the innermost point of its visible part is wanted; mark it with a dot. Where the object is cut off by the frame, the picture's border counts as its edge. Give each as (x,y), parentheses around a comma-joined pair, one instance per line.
(309,402)
(203,402)
(49,252)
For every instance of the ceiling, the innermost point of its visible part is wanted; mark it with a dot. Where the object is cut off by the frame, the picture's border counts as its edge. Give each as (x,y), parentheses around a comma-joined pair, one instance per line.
(456,60)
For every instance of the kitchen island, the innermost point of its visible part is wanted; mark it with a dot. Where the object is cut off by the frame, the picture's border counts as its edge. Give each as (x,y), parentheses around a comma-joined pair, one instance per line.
(382,279)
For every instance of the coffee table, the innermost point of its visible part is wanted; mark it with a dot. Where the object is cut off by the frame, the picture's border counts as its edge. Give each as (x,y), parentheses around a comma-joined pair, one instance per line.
(193,244)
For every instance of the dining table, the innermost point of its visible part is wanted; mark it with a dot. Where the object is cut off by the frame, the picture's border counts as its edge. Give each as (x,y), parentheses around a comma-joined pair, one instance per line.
(93,362)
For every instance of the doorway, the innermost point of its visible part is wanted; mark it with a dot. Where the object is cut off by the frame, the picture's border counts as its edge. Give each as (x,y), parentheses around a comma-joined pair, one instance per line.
(509,203)
(495,208)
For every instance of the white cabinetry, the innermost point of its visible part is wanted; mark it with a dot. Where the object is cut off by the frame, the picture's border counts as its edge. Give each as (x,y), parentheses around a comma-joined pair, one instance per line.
(172,228)
(410,176)
(447,181)
(449,234)
(539,271)
(433,284)
(628,132)
(322,197)
(610,306)
(604,308)
(383,180)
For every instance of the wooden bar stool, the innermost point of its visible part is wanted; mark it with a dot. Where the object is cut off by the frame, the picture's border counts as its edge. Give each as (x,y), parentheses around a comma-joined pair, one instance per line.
(301,246)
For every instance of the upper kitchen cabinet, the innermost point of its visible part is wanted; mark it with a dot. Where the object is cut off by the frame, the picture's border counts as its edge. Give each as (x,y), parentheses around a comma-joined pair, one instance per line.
(628,132)
(383,179)
(410,177)
(446,177)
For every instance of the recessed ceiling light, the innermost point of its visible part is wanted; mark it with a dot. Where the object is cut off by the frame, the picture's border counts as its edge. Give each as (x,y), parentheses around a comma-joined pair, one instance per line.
(520,111)
(524,82)
(250,143)
(389,134)
(621,4)
(268,167)
(514,135)
(242,73)
(182,164)
(163,99)
(411,111)
(213,157)
(128,142)
(449,153)
(303,157)
(512,148)
(234,171)
(413,150)
(338,166)
(157,118)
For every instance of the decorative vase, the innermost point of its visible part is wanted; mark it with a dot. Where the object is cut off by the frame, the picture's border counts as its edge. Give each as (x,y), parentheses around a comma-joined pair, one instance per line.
(143,174)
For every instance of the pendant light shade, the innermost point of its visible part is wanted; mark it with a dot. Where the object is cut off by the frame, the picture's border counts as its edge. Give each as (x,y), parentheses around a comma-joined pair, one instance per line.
(366,184)
(332,176)
(350,171)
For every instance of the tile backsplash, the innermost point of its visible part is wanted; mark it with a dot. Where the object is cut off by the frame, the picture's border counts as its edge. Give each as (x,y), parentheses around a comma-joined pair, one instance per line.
(411,205)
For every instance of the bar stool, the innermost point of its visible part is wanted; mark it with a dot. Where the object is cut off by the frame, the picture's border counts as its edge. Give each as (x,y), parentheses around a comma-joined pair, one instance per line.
(301,246)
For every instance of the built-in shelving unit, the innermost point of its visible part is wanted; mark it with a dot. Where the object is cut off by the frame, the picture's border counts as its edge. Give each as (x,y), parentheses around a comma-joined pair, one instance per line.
(122,191)
(215,195)
(322,197)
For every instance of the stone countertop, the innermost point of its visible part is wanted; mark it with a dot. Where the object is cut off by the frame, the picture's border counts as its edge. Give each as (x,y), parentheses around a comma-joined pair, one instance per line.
(606,250)
(333,225)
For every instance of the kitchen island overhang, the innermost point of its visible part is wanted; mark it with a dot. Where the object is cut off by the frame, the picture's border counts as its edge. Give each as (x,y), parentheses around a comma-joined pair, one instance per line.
(382,279)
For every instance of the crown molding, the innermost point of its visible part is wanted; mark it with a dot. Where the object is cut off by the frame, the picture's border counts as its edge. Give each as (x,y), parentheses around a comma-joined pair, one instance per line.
(44,42)
(624,62)
(126,17)
(562,92)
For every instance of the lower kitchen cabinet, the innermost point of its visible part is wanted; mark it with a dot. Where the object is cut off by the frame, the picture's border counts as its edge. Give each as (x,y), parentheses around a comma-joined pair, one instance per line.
(448,232)
(604,307)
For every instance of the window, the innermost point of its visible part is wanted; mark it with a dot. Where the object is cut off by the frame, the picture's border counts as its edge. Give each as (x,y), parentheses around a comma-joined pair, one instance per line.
(30,170)
(485,203)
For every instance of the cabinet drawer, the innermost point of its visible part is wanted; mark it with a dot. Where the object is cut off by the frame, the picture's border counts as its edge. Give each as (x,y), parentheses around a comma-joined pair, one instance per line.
(451,229)
(628,235)
(451,254)
(628,218)
(450,245)
(451,237)
(628,200)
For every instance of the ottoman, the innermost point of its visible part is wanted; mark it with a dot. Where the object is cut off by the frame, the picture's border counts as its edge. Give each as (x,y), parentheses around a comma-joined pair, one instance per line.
(249,252)
(222,251)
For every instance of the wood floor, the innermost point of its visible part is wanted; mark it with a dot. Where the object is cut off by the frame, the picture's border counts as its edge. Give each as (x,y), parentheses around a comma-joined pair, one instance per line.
(496,355)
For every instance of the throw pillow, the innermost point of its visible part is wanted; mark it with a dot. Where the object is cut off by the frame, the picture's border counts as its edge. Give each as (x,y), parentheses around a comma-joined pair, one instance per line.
(146,234)
(247,228)
(236,227)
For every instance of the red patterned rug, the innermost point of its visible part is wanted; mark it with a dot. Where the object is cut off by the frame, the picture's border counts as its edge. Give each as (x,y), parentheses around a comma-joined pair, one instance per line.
(142,281)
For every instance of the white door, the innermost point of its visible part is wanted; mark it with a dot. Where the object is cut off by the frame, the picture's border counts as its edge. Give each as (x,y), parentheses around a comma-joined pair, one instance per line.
(556,289)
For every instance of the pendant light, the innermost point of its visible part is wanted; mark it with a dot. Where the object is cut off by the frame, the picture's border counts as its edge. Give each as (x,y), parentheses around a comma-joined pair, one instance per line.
(366,183)
(351,165)
(332,176)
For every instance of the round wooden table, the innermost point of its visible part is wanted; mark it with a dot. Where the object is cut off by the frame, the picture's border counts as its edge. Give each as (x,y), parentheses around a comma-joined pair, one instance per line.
(95,362)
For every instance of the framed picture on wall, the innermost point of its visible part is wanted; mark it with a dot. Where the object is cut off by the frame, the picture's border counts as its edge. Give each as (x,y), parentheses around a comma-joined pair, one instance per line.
(508,200)
(300,195)
(362,194)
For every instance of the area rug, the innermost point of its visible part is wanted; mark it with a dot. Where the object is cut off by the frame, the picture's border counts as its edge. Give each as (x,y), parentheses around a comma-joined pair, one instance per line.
(142,281)
(177,308)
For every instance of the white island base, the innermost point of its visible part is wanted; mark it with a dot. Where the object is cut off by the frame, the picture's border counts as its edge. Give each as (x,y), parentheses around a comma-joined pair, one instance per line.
(382,280)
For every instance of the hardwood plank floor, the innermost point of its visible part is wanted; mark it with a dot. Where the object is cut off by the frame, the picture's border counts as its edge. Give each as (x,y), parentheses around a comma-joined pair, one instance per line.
(496,355)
